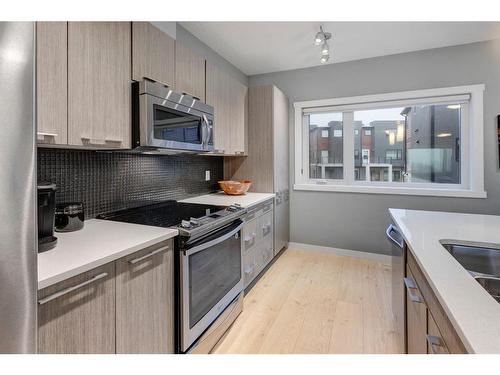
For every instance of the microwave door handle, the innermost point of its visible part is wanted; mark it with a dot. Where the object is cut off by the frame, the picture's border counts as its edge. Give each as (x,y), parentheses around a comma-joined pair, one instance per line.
(206,135)
(208,244)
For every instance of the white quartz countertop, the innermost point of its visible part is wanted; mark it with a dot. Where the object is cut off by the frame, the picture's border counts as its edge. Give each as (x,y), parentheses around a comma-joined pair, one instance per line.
(98,243)
(473,312)
(222,199)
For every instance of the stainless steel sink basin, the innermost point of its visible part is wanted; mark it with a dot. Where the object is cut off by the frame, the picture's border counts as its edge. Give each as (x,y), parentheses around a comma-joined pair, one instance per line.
(482,262)
(491,284)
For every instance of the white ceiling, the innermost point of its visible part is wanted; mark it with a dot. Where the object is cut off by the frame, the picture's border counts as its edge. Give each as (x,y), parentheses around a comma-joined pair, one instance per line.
(262,47)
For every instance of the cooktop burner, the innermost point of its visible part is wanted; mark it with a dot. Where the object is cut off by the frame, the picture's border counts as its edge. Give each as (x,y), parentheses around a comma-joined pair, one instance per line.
(189,218)
(165,214)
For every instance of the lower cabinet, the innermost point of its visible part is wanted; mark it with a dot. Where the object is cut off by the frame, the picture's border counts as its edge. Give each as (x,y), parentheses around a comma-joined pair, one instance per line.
(416,329)
(144,299)
(428,328)
(258,238)
(77,316)
(124,306)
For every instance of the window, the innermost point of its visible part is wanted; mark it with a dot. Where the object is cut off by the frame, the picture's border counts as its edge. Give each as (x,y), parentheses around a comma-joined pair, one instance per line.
(419,142)
(326,155)
(324,134)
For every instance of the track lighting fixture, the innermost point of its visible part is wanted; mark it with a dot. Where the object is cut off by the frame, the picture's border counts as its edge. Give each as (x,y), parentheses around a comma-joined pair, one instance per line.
(321,39)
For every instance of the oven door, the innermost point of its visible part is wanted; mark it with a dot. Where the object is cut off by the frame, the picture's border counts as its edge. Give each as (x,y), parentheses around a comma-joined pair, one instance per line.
(211,278)
(165,124)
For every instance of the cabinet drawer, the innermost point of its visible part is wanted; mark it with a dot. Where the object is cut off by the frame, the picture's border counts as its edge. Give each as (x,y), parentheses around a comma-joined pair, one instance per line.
(264,253)
(250,234)
(265,226)
(77,316)
(435,342)
(249,267)
(416,313)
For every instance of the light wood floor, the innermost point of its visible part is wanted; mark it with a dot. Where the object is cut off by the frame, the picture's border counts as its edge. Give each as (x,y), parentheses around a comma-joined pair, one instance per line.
(312,302)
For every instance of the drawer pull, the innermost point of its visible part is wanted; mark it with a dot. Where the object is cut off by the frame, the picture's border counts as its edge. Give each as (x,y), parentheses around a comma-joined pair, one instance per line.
(434,341)
(266,229)
(412,288)
(249,241)
(41,136)
(99,142)
(249,270)
(72,288)
(148,255)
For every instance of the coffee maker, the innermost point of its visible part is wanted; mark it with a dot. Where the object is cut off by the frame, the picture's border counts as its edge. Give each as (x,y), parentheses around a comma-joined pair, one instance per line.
(46,215)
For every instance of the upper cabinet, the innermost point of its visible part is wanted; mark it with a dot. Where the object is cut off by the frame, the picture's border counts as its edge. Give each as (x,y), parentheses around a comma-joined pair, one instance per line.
(189,72)
(99,71)
(229,99)
(153,54)
(52,82)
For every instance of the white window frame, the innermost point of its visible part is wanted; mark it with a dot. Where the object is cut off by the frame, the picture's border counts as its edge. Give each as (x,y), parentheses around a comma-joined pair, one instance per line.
(471,142)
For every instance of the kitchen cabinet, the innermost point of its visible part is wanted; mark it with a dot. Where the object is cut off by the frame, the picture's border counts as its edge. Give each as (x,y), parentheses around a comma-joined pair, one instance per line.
(258,240)
(416,318)
(125,306)
(153,54)
(229,99)
(267,162)
(435,342)
(144,301)
(52,82)
(189,72)
(77,315)
(428,328)
(99,71)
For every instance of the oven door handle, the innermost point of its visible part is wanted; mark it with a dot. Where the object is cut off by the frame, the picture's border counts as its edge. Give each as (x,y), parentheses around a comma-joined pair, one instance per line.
(214,242)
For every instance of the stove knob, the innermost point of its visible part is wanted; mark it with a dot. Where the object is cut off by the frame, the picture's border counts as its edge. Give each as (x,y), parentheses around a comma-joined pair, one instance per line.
(185,224)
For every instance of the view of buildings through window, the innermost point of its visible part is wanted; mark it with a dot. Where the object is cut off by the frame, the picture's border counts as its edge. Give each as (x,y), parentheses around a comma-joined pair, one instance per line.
(419,143)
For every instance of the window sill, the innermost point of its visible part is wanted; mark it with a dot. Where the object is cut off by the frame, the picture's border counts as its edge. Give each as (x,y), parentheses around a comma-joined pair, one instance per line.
(457,193)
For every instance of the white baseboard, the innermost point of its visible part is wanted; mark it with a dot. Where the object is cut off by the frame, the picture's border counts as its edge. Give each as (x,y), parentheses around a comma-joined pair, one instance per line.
(386,259)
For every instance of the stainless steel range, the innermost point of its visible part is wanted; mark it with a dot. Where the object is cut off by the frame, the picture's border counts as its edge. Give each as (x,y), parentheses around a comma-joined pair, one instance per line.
(209,280)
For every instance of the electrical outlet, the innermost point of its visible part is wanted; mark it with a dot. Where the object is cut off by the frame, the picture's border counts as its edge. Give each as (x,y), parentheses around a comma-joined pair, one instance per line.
(207,175)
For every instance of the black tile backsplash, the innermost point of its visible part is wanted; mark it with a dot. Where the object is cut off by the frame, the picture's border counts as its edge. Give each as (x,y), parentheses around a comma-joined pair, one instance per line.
(108,181)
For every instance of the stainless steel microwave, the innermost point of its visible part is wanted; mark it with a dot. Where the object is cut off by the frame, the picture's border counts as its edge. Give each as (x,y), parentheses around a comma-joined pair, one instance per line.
(164,120)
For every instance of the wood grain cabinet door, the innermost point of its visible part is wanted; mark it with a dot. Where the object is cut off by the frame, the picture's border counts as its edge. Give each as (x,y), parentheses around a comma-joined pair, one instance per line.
(99,93)
(217,95)
(435,342)
(145,301)
(189,72)
(153,54)
(416,317)
(52,82)
(238,112)
(77,316)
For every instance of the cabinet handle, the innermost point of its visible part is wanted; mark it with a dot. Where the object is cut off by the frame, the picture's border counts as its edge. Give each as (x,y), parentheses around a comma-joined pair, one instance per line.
(99,142)
(434,341)
(250,215)
(412,287)
(71,289)
(40,136)
(221,151)
(148,255)
(266,229)
(250,241)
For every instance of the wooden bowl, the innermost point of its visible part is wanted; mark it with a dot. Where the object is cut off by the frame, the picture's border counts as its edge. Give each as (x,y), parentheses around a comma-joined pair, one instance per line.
(235,187)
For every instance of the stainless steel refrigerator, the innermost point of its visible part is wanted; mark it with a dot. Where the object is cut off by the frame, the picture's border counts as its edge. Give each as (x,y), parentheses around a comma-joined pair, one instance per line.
(18,237)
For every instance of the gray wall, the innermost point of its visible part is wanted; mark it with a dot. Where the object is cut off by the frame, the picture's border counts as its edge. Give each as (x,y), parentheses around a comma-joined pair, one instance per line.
(358,221)
(209,54)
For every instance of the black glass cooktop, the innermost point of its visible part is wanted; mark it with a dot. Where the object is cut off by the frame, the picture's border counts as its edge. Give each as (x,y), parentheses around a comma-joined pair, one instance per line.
(164,214)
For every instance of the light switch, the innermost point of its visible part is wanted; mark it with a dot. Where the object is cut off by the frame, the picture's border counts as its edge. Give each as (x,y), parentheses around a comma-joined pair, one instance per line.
(207,175)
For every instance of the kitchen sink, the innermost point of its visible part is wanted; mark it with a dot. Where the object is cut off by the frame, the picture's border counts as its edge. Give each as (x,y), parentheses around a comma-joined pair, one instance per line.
(482,262)
(491,284)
